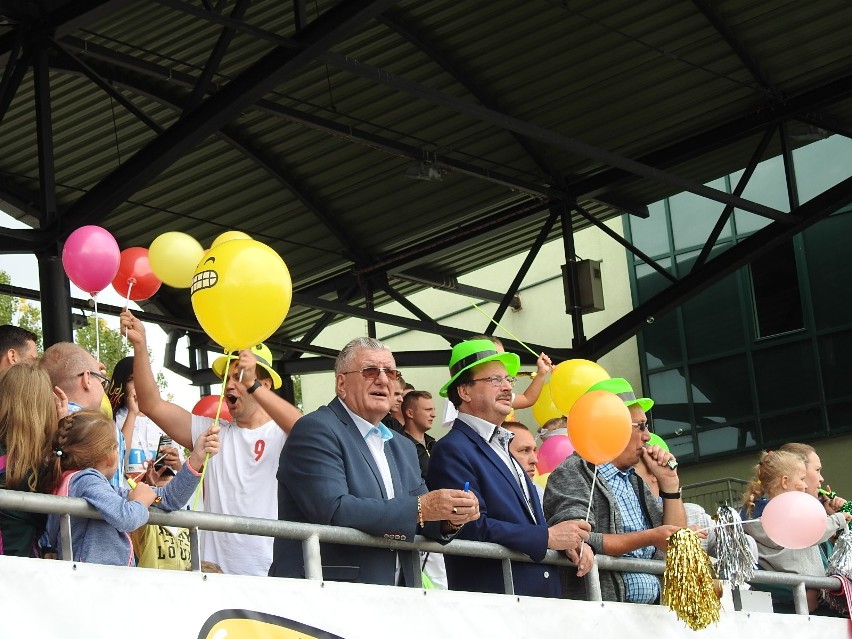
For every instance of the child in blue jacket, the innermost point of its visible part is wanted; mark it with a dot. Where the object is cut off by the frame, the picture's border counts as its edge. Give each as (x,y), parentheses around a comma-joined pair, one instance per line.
(86,453)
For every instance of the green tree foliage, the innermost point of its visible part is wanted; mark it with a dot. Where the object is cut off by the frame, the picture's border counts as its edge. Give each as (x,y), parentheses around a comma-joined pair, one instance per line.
(20,312)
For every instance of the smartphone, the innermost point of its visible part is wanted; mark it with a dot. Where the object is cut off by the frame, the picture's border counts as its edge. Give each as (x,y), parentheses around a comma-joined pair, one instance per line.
(166,441)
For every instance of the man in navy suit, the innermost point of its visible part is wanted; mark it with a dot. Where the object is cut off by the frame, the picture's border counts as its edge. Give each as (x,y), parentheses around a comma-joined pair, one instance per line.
(475,453)
(341,466)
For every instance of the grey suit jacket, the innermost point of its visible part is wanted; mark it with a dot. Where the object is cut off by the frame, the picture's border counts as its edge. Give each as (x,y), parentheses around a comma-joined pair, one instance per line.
(327,475)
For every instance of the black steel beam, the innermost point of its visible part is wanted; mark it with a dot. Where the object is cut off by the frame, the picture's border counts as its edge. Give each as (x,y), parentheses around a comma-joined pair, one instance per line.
(720,136)
(755,159)
(533,131)
(412,308)
(739,49)
(216,55)
(12,77)
(337,23)
(719,267)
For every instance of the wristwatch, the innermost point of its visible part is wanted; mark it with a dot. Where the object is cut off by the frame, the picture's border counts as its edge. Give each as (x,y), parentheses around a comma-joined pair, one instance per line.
(254,386)
(666,495)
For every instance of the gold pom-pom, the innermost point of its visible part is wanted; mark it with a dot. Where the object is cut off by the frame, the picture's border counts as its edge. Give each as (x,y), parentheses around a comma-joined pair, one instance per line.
(688,581)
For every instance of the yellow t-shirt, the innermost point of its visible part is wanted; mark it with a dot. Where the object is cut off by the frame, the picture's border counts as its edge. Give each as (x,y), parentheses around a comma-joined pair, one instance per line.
(162,547)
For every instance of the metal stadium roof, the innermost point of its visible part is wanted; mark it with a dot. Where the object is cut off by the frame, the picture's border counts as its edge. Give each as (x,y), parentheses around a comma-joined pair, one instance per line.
(373,142)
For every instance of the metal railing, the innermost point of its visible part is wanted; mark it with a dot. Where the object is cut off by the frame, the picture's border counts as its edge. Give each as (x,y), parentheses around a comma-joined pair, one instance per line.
(311,535)
(716,492)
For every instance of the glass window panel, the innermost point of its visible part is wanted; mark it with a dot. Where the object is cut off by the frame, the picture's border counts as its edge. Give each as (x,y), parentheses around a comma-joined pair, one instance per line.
(785,376)
(713,319)
(650,282)
(693,217)
(671,408)
(661,342)
(651,235)
(721,391)
(792,426)
(830,270)
(726,440)
(835,355)
(821,165)
(681,447)
(775,286)
(767,186)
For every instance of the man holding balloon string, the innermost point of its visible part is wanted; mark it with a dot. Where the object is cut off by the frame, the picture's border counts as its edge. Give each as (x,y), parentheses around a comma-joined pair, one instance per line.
(474,455)
(240,480)
(626,517)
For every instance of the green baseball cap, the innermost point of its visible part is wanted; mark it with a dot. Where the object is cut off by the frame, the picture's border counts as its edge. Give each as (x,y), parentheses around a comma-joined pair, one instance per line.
(261,353)
(475,352)
(624,390)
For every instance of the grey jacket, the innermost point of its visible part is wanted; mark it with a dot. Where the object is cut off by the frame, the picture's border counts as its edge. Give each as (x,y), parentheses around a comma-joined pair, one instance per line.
(567,497)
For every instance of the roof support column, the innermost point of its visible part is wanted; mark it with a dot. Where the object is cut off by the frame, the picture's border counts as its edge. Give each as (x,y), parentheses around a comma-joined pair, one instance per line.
(56,293)
(570,279)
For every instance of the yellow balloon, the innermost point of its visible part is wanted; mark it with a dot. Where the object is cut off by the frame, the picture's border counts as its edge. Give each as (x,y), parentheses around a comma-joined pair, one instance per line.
(541,480)
(572,378)
(544,409)
(106,407)
(241,292)
(173,257)
(227,236)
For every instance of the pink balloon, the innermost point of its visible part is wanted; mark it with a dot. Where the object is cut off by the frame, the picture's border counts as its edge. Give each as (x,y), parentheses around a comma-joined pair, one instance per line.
(794,520)
(91,258)
(554,450)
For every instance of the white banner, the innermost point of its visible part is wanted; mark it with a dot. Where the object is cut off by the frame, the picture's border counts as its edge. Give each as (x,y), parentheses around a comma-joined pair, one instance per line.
(47,599)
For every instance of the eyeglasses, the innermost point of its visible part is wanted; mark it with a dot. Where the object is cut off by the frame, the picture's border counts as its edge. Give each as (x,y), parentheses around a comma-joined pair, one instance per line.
(105,381)
(642,426)
(496,380)
(373,372)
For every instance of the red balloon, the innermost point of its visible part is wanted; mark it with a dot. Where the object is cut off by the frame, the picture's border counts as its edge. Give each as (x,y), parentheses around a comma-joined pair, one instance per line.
(134,268)
(206,407)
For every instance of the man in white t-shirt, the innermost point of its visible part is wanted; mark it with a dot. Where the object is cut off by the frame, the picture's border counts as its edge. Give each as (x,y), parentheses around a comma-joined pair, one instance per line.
(240,480)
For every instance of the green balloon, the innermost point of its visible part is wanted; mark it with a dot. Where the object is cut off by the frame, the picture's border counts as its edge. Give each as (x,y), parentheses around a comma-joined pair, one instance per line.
(656,440)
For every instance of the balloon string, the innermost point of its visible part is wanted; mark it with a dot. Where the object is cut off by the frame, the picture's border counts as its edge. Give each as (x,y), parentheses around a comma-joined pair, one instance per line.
(589,509)
(130,283)
(97,329)
(507,331)
(730,523)
(215,421)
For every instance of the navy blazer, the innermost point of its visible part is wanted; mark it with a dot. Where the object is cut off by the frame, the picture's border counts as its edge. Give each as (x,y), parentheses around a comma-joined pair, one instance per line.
(327,475)
(463,456)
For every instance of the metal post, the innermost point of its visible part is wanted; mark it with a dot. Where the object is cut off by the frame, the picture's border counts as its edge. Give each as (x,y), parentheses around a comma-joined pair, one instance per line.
(572,286)
(65,537)
(593,583)
(312,557)
(413,556)
(508,582)
(194,550)
(800,599)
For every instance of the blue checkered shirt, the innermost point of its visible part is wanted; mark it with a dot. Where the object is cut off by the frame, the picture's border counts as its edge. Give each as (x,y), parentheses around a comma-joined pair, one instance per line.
(640,587)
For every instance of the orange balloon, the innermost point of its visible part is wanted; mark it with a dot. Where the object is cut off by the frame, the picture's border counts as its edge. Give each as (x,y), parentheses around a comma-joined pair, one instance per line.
(572,378)
(544,409)
(599,426)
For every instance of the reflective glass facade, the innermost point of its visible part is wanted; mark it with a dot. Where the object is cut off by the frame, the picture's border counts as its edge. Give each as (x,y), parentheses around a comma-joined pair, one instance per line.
(765,355)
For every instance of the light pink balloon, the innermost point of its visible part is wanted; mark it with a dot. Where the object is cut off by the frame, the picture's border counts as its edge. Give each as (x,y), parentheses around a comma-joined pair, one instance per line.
(794,520)
(91,258)
(553,452)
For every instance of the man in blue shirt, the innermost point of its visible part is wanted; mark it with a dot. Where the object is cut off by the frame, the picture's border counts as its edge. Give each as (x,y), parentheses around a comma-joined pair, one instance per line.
(627,520)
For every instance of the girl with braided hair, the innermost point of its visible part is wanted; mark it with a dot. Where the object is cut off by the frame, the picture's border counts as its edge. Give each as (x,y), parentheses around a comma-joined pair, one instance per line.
(86,453)
(28,415)
(778,472)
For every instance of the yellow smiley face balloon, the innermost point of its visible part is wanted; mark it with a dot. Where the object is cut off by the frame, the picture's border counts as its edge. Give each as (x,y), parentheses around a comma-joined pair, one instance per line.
(241,292)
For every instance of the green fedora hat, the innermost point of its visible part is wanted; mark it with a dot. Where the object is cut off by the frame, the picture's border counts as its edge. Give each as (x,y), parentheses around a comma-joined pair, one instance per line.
(475,352)
(624,390)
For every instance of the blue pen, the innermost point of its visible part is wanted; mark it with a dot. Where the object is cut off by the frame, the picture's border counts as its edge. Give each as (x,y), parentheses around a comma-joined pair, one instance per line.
(466,486)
